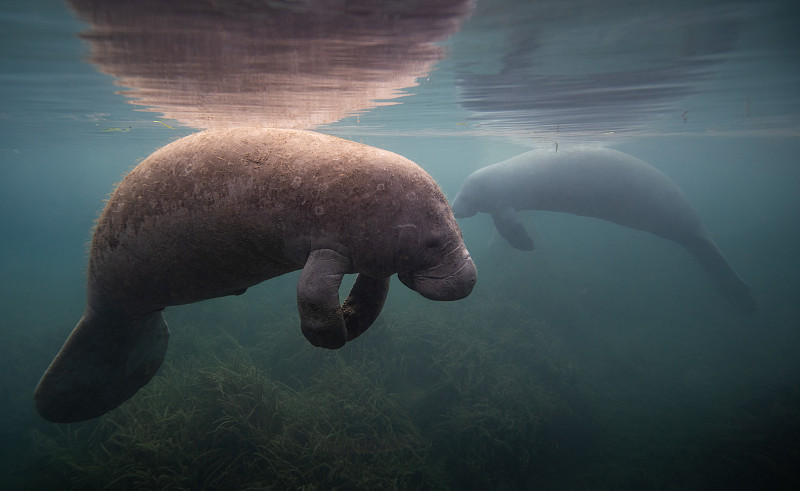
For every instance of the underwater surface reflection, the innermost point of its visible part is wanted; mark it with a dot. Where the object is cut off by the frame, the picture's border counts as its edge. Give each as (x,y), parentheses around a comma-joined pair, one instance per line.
(603,359)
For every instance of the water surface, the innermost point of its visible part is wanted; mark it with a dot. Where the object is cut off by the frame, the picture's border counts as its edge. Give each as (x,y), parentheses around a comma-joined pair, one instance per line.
(602,360)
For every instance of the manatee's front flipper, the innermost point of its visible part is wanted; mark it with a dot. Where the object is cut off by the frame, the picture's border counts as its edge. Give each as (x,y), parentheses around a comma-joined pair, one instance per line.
(324,322)
(722,274)
(508,223)
(364,304)
(321,316)
(103,363)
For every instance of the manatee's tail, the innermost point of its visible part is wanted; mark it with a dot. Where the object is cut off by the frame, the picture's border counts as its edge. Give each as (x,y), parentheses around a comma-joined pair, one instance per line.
(722,274)
(102,364)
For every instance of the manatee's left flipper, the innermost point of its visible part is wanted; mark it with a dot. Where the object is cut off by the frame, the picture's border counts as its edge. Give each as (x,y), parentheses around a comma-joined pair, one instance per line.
(508,223)
(364,304)
(105,360)
(321,317)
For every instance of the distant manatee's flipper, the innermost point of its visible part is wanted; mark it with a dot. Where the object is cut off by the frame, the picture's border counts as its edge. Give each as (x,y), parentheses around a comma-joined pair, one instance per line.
(721,273)
(364,304)
(102,364)
(508,223)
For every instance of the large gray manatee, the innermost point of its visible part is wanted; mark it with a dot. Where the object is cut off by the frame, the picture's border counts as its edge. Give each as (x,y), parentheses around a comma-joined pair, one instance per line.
(600,183)
(216,212)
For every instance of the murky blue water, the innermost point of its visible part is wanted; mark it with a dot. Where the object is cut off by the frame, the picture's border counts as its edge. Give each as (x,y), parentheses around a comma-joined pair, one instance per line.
(604,359)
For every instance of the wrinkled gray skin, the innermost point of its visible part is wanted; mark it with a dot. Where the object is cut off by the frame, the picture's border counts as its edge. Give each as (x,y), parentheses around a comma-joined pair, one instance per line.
(600,183)
(217,212)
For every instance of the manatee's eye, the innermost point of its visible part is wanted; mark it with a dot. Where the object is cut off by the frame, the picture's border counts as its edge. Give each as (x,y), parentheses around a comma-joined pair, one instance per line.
(438,245)
(433,243)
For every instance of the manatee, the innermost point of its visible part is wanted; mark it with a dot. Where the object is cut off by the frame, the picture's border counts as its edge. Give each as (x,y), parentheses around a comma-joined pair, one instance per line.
(216,212)
(600,183)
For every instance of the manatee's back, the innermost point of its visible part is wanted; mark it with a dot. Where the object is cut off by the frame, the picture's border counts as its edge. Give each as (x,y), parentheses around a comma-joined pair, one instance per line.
(170,232)
(602,183)
(613,186)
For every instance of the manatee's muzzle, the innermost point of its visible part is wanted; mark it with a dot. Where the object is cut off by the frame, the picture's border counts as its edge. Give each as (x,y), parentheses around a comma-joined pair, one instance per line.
(461,208)
(440,282)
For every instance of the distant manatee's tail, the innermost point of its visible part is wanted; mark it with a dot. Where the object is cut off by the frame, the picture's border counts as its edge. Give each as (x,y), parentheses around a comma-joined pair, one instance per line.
(721,273)
(102,364)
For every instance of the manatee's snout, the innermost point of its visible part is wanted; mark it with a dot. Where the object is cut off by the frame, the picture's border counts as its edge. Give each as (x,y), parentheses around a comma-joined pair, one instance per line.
(462,208)
(462,205)
(443,281)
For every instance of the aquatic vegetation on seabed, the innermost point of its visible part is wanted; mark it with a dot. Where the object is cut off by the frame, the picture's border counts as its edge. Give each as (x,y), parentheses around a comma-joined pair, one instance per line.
(424,402)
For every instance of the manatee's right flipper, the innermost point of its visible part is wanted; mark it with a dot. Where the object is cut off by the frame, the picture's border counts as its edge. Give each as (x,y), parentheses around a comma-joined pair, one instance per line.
(722,274)
(102,364)
(364,304)
(508,223)
(323,321)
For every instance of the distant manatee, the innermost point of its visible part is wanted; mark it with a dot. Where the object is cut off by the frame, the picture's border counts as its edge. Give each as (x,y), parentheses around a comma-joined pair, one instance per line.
(600,183)
(219,211)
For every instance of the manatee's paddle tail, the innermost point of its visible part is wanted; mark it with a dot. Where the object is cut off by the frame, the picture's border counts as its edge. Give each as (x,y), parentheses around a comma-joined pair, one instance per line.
(508,223)
(729,284)
(102,364)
